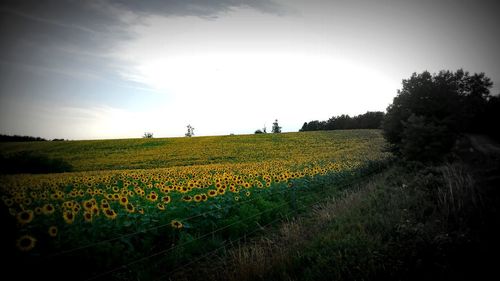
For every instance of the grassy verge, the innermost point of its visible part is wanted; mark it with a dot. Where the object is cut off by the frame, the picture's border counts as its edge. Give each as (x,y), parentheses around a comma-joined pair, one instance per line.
(407,223)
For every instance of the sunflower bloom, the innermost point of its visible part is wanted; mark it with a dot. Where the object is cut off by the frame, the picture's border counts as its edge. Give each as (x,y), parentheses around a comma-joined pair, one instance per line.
(123,201)
(176,224)
(69,217)
(48,209)
(8,202)
(110,214)
(52,231)
(25,216)
(94,211)
(130,208)
(26,243)
(87,216)
(87,205)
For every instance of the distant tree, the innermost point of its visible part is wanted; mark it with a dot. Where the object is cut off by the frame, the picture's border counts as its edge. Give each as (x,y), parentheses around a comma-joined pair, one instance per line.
(431,110)
(17,138)
(369,120)
(32,162)
(261,131)
(190,131)
(148,135)
(276,127)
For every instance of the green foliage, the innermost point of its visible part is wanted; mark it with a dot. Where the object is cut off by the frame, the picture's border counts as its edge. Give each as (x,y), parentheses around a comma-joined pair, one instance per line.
(276,127)
(190,131)
(33,163)
(148,135)
(369,120)
(398,227)
(17,138)
(425,140)
(431,110)
(140,153)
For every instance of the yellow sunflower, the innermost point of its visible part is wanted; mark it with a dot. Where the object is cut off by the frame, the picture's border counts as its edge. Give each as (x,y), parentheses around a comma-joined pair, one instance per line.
(53,231)
(130,208)
(123,201)
(25,216)
(176,224)
(87,205)
(94,211)
(110,214)
(166,199)
(87,216)
(26,243)
(8,202)
(69,217)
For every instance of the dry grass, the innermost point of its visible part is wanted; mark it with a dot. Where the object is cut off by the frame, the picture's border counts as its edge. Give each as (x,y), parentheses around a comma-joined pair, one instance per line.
(458,192)
(255,260)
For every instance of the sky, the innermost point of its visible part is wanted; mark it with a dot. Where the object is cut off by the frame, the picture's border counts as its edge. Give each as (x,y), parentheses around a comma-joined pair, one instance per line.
(107,69)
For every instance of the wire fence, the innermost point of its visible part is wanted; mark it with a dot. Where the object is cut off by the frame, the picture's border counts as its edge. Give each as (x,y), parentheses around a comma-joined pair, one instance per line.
(211,233)
(153,228)
(184,244)
(213,252)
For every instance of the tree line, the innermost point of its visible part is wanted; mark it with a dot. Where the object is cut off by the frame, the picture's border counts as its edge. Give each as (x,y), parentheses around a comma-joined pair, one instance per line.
(369,120)
(17,138)
(432,111)
(429,114)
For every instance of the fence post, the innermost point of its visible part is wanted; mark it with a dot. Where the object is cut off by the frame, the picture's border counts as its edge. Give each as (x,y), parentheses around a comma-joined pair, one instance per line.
(293,197)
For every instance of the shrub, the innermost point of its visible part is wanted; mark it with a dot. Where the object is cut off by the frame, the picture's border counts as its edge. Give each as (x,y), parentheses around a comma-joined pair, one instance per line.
(33,163)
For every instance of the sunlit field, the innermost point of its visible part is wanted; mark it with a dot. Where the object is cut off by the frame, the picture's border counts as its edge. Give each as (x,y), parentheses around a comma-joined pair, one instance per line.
(171,199)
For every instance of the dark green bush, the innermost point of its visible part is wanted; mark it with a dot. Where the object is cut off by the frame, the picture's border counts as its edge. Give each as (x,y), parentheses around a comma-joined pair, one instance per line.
(32,163)
(431,110)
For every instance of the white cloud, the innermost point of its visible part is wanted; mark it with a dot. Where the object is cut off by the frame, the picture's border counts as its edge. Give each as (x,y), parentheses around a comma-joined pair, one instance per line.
(223,79)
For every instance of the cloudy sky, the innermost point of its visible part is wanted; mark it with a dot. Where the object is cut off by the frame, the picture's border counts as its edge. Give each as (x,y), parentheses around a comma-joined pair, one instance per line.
(118,68)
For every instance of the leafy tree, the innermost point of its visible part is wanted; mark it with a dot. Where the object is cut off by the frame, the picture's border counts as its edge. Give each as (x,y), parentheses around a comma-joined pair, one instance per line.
(190,131)
(276,127)
(430,111)
(423,140)
(369,120)
(17,138)
(32,162)
(148,135)
(258,131)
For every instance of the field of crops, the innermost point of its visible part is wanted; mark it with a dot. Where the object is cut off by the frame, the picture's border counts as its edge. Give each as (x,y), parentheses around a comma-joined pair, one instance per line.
(137,198)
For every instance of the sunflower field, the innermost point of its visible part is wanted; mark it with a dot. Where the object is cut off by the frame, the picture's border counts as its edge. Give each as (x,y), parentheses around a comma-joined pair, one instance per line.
(139,208)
